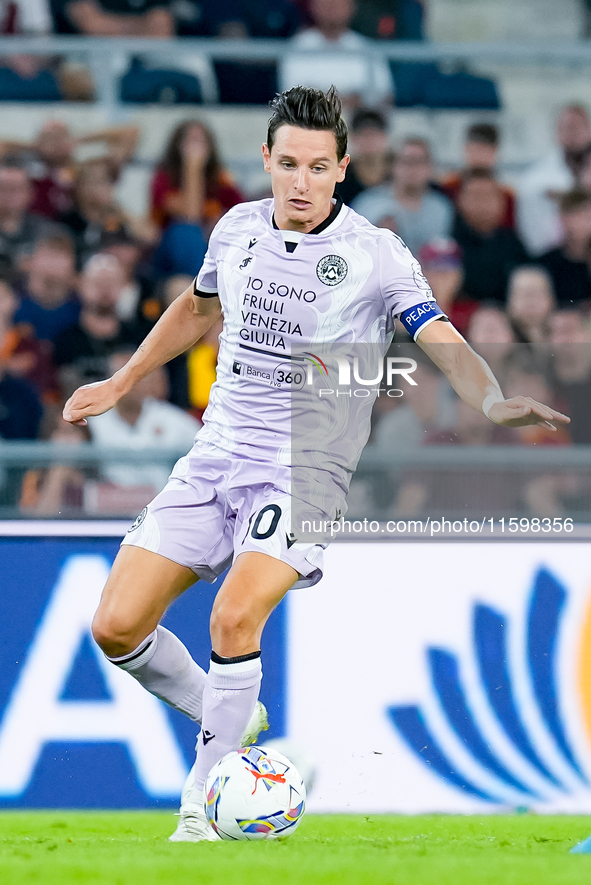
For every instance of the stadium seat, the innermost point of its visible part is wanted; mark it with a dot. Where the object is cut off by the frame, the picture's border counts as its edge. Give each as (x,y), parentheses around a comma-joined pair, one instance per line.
(42,87)
(143,85)
(243,83)
(425,85)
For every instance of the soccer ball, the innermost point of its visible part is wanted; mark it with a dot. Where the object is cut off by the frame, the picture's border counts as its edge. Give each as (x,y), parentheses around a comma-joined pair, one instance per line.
(254,793)
(300,757)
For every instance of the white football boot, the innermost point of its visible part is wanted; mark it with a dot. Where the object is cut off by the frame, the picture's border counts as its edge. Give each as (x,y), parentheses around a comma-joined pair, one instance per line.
(193,825)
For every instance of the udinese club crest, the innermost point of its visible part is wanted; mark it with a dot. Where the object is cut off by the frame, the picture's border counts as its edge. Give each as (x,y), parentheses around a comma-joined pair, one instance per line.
(331,270)
(139,520)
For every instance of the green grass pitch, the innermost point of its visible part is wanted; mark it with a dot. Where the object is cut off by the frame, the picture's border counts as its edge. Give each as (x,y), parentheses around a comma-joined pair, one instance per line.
(131,848)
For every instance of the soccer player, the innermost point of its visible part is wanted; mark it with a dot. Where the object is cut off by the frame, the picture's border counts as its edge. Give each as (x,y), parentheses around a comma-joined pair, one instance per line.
(299,269)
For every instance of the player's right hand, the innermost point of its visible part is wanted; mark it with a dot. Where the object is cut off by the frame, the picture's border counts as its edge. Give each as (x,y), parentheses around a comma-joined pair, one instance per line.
(91,399)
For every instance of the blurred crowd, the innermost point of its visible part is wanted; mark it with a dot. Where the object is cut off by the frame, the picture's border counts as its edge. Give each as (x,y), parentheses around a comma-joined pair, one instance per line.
(344,27)
(512,269)
(82,281)
(81,284)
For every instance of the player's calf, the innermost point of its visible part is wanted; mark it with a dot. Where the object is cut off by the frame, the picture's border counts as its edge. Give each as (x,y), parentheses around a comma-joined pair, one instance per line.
(164,667)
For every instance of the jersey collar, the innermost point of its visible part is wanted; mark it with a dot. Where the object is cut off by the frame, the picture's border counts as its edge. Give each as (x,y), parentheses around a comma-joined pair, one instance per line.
(331,221)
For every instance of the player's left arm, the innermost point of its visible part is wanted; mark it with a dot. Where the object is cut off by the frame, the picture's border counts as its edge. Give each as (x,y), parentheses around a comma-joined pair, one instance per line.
(472,379)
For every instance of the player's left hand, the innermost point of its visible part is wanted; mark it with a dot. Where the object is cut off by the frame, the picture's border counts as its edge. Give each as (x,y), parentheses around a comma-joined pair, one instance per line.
(519,411)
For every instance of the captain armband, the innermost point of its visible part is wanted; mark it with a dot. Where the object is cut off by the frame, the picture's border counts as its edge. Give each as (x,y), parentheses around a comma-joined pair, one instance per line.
(414,319)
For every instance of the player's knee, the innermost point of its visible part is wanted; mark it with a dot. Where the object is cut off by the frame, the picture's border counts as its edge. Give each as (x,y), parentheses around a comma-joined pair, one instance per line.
(113,636)
(231,628)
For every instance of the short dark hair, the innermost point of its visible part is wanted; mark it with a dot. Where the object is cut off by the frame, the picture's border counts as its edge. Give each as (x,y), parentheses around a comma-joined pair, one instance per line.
(368,118)
(309,109)
(483,133)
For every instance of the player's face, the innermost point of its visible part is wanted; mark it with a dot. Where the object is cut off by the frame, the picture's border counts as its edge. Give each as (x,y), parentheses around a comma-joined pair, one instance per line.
(304,169)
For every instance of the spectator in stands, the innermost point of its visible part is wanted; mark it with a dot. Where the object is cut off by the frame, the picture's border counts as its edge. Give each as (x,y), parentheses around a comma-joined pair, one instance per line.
(570,338)
(389,19)
(137,302)
(370,159)
(359,80)
(190,185)
(568,263)
(58,489)
(570,376)
(240,81)
(21,352)
(490,325)
(81,351)
(52,170)
(31,17)
(139,421)
(530,304)
(115,18)
(237,19)
(409,206)
(491,335)
(538,219)
(481,149)
(265,18)
(97,212)
(34,77)
(20,408)
(489,251)
(441,261)
(20,229)
(48,298)
(52,166)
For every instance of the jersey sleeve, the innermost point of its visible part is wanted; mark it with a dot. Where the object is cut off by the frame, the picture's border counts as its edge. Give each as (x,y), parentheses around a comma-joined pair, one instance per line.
(206,281)
(405,290)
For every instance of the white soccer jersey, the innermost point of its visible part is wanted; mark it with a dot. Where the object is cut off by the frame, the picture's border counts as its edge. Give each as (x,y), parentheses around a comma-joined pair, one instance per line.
(285,294)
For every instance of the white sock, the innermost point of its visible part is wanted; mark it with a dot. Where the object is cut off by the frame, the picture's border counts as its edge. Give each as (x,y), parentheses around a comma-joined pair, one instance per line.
(162,664)
(231,692)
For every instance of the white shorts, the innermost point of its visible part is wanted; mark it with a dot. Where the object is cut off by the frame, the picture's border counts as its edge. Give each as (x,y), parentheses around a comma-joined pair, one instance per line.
(216,506)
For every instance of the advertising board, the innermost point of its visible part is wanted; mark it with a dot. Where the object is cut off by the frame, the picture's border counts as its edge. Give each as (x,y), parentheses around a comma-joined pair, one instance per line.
(74,730)
(452,677)
(418,676)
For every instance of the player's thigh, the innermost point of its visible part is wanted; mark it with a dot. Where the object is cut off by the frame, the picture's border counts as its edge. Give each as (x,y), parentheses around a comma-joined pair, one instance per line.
(255,584)
(139,589)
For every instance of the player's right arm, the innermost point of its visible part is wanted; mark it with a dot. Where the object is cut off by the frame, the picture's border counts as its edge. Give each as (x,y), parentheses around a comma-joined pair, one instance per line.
(179,328)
